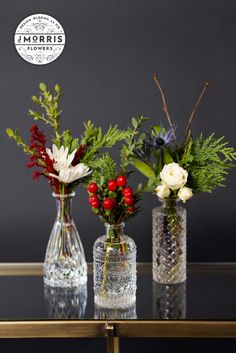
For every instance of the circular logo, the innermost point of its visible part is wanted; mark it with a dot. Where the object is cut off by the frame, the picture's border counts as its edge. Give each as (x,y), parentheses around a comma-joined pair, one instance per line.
(39,39)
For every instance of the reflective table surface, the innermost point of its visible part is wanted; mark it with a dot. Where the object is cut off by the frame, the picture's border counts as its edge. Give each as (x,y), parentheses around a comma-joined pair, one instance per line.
(208,294)
(203,307)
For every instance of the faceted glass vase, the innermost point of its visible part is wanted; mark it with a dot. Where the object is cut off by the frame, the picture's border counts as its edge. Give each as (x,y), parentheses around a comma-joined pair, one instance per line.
(114,269)
(169,243)
(65,264)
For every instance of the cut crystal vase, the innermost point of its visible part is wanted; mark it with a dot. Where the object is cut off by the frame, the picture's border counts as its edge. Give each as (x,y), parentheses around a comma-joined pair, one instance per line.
(114,266)
(65,264)
(169,243)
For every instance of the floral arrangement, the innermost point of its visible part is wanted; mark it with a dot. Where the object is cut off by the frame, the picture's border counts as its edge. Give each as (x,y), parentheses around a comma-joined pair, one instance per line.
(109,195)
(67,162)
(177,170)
(114,202)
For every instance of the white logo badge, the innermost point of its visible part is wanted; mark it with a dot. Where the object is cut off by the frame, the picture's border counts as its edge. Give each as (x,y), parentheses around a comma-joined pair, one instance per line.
(39,39)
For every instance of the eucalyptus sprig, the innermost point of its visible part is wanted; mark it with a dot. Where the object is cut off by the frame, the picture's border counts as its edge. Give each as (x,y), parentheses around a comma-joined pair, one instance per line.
(48,101)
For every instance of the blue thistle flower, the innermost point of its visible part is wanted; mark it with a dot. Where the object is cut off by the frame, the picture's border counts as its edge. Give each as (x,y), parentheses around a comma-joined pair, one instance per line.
(155,140)
(159,140)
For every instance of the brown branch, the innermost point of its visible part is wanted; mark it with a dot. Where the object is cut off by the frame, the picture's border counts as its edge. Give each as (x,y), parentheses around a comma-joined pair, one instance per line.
(195,109)
(165,108)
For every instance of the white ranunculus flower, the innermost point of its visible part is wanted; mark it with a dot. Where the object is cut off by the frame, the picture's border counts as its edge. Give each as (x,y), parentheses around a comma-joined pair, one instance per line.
(62,160)
(71,174)
(185,193)
(162,191)
(174,176)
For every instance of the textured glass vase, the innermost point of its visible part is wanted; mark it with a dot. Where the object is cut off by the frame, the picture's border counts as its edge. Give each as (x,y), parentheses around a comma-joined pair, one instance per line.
(169,243)
(65,264)
(114,265)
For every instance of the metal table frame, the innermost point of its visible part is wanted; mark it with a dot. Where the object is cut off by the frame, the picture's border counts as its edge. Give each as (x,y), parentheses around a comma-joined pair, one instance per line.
(113,330)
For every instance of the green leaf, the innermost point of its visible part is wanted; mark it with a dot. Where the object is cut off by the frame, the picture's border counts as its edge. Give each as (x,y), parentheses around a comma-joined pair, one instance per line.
(18,139)
(42,86)
(143,167)
(57,88)
(9,132)
(167,157)
(159,129)
(35,99)
(134,123)
(102,180)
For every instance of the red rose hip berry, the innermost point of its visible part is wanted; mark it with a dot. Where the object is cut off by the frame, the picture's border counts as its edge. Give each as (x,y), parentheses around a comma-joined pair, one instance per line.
(93,188)
(129,200)
(128,191)
(121,180)
(109,203)
(95,204)
(131,209)
(93,198)
(112,185)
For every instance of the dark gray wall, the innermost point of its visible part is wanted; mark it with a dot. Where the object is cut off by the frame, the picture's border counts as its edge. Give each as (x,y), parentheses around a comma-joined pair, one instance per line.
(112,50)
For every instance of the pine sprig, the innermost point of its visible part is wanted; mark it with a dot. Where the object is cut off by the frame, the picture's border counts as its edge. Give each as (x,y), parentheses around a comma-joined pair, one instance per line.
(207,161)
(104,169)
(95,140)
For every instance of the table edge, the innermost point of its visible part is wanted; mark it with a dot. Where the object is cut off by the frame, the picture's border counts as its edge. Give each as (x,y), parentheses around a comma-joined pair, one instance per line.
(122,329)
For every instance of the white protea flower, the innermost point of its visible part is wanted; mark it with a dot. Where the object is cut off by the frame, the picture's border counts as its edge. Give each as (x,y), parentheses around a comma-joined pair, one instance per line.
(71,174)
(62,159)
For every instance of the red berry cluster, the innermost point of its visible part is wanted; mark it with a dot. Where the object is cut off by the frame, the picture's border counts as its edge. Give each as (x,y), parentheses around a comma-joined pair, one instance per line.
(113,196)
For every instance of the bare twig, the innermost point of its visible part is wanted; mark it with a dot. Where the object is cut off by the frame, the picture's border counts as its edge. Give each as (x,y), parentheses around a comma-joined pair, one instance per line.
(165,108)
(194,110)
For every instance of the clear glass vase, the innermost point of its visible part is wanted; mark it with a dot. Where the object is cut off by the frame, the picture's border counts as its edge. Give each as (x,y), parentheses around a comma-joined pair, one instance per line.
(114,265)
(65,264)
(169,243)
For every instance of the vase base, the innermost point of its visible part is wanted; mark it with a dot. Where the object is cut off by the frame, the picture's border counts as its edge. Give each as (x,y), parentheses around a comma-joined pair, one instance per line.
(62,283)
(65,277)
(113,302)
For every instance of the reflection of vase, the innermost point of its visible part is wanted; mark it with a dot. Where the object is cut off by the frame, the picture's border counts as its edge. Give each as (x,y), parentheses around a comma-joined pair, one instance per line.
(169,301)
(66,303)
(114,264)
(169,243)
(115,314)
(65,264)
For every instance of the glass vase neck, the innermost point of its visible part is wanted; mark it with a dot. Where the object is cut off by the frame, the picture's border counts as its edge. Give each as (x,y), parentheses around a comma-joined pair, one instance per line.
(169,202)
(114,231)
(64,206)
(63,196)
